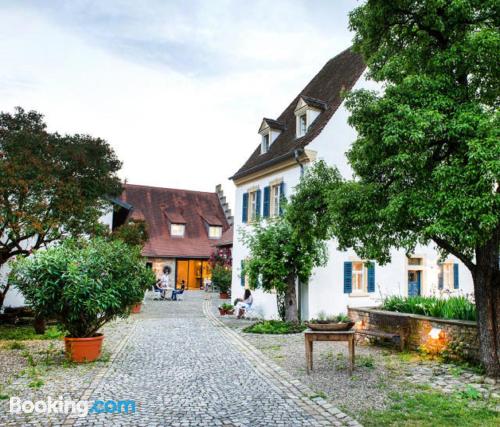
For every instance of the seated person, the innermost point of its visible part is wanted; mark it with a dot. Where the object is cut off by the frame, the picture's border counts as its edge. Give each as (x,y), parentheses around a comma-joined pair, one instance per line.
(163,282)
(176,292)
(243,306)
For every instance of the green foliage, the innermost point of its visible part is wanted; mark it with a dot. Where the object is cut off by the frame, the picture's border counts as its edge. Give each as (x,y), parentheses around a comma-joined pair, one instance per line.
(277,252)
(365,361)
(221,277)
(429,409)
(52,185)
(15,345)
(427,157)
(84,284)
(134,232)
(332,318)
(21,333)
(226,306)
(459,308)
(277,327)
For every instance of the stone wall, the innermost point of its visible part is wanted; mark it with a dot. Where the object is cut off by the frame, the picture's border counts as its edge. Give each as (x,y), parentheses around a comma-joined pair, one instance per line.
(455,338)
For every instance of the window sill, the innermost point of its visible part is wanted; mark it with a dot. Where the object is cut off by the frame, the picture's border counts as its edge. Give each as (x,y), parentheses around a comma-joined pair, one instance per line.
(359,294)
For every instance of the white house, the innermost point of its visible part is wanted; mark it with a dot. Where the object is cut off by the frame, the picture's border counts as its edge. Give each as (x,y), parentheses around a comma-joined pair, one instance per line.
(314,126)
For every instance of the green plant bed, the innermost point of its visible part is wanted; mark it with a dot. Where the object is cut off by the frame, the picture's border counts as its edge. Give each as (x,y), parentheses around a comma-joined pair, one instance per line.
(275,327)
(21,333)
(458,308)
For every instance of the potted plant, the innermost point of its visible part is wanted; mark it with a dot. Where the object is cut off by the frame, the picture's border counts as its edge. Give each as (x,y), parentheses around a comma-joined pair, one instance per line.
(84,285)
(221,277)
(226,309)
(324,322)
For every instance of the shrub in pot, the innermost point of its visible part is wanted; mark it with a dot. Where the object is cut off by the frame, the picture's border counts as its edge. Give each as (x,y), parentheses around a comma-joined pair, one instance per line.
(324,322)
(221,277)
(83,284)
(226,309)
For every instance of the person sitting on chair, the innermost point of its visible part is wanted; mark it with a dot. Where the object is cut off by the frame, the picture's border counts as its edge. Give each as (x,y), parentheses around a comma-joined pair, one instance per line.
(244,306)
(163,282)
(176,292)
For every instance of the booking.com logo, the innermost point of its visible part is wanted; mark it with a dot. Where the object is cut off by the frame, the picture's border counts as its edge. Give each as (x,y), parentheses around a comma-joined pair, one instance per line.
(80,408)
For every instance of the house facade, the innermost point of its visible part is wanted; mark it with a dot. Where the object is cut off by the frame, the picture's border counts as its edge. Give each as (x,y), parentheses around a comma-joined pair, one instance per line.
(184,228)
(314,126)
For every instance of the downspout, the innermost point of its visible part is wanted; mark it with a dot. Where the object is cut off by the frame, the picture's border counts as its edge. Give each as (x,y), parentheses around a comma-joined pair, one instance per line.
(296,155)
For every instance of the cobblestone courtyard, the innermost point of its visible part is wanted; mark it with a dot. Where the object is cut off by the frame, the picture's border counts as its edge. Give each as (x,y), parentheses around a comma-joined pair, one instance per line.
(182,367)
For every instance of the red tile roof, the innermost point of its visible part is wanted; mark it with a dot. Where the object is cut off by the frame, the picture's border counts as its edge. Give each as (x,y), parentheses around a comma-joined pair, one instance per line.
(162,206)
(226,238)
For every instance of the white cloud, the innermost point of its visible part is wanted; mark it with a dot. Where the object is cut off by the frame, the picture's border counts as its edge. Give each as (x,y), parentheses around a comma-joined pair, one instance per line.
(177,88)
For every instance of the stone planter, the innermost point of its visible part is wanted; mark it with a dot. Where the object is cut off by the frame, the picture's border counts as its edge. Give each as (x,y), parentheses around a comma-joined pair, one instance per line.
(342,326)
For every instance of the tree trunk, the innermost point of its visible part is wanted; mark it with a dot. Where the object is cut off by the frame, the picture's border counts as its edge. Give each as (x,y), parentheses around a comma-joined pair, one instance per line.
(3,293)
(486,277)
(291,312)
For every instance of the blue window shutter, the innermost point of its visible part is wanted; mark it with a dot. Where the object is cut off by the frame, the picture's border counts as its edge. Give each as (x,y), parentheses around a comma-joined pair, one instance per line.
(371,277)
(257,203)
(244,212)
(455,276)
(242,276)
(347,277)
(282,196)
(267,201)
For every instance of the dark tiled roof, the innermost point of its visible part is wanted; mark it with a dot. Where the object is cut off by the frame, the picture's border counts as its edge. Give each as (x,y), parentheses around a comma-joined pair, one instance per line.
(274,124)
(313,102)
(325,89)
(226,238)
(160,206)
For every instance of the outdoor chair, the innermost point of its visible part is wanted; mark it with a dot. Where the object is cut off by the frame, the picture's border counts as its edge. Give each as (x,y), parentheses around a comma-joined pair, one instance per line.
(155,292)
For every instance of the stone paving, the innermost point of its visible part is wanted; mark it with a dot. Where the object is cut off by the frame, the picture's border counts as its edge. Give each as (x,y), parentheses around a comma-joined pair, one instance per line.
(182,367)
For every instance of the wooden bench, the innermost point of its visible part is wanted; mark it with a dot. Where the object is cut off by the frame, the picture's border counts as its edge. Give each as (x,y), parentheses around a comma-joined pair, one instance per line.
(397,338)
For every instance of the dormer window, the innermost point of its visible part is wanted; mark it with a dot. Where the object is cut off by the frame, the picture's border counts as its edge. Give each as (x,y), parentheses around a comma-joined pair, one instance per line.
(302,124)
(306,111)
(177,230)
(214,232)
(269,130)
(264,147)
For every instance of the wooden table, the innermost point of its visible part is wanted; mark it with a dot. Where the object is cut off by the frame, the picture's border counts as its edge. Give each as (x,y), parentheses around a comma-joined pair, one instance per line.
(311,336)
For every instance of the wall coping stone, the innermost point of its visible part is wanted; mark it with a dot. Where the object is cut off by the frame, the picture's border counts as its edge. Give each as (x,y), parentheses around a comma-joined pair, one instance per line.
(468,323)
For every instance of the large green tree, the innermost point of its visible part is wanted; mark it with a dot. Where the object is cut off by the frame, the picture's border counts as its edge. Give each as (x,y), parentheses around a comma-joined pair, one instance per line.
(51,185)
(427,155)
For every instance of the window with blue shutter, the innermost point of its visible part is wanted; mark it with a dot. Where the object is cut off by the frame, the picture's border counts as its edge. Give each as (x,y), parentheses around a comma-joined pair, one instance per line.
(267,202)
(282,197)
(347,277)
(257,203)
(371,277)
(441,277)
(456,284)
(242,276)
(244,209)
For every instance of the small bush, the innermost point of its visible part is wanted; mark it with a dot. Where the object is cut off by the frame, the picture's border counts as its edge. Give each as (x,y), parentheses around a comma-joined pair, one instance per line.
(459,308)
(22,333)
(275,327)
(221,277)
(15,345)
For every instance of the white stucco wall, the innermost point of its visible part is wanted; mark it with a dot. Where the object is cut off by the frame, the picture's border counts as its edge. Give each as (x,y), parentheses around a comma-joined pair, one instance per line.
(326,285)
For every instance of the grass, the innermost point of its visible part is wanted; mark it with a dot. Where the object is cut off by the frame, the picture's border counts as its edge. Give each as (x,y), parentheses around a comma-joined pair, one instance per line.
(365,361)
(15,345)
(276,327)
(23,333)
(459,308)
(430,409)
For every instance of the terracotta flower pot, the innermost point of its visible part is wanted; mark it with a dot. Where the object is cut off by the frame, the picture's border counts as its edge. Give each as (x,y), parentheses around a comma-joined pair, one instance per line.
(223,295)
(230,311)
(83,349)
(222,311)
(137,308)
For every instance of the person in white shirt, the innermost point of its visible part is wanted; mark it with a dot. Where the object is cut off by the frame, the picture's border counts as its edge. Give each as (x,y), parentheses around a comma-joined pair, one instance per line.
(164,282)
(245,305)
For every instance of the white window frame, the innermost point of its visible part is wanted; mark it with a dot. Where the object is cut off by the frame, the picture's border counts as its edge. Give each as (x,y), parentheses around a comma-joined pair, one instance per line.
(359,275)
(252,205)
(212,228)
(265,143)
(275,196)
(175,230)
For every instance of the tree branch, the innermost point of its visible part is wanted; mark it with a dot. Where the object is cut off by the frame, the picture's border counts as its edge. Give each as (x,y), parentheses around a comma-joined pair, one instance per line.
(452,250)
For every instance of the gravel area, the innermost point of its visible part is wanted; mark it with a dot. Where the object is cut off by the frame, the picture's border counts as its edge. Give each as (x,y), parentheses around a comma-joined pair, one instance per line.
(379,370)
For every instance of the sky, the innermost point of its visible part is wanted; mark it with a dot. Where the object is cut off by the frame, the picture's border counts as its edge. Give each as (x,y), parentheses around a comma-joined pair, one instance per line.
(177,88)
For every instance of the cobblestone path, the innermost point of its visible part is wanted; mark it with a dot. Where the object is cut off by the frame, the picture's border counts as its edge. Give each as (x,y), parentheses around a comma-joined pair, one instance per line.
(182,370)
